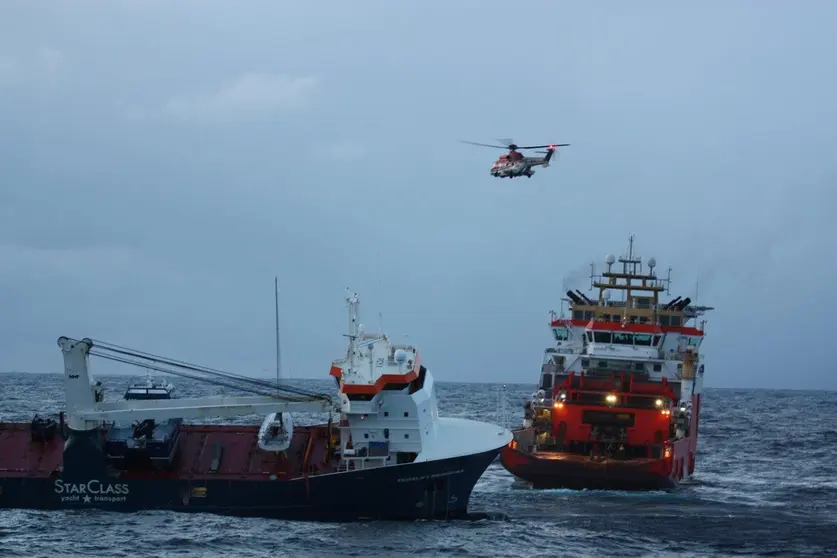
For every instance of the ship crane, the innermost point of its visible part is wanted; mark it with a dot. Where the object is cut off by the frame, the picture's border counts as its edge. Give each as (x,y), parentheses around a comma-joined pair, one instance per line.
(86,408)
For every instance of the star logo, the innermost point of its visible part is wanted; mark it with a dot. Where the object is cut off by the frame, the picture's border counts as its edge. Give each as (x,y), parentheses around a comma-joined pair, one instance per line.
(86,499)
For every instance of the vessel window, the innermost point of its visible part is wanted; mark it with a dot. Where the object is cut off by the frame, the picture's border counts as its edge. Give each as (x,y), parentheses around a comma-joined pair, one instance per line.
(639,366)
(585,362)
(578,315)
(386,413)
(623,338)
(588,315)
(602,364)
(406,436)
(406,413)
(694,341)
(675,320)
(602,336)
(366,434)
(656,340)
(664,320)
(642,339)
(615,318)
(360,396)
(658,367)
(643,319)
(547,381)
(561,333)
(589,336)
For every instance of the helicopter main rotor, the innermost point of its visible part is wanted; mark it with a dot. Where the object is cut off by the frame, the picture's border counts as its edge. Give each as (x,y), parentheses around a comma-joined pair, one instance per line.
(511,146)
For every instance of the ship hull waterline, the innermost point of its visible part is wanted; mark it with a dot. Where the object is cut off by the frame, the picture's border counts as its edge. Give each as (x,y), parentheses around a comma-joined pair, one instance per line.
(438,489)
(568,471)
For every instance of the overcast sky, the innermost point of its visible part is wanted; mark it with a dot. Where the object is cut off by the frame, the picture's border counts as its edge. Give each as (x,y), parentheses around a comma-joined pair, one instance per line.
(160,162)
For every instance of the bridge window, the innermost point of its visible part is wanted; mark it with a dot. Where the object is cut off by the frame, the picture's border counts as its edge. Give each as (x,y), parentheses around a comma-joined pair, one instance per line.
(656,340)
(642,339)
(695,341)
(675,320)
(588,315)
(578,315)
(665,320)
(602,337)
(658,367)
(561,333)
(623,339)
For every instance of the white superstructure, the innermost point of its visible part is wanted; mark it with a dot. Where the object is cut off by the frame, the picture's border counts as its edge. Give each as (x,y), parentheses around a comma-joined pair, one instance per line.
(388,406)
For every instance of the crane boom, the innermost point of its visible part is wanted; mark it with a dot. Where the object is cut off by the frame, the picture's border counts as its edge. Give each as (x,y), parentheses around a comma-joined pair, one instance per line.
(86,408)
(198,407)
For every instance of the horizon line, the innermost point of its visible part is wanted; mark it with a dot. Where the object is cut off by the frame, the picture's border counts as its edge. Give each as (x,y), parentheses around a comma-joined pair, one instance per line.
(124,374)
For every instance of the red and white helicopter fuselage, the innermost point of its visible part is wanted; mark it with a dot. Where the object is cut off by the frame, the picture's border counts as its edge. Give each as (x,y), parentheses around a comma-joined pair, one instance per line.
(504,167)
(514,163)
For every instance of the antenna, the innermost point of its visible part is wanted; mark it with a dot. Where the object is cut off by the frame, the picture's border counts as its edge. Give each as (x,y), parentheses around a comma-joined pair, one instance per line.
(668,281)
(563,290)
(378,278)
(352,303)
(278,354)
(592,275)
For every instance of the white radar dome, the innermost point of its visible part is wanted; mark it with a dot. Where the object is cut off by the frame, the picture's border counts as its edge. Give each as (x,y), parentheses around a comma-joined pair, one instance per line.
(610,259)
(652,262)
(400,356)
(606,294)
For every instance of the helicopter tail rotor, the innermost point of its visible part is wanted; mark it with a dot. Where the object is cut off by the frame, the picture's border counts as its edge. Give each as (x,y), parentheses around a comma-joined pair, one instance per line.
(550,151)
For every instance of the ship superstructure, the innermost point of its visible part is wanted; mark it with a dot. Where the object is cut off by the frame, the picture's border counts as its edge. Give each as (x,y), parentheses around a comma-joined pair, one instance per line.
(618,399)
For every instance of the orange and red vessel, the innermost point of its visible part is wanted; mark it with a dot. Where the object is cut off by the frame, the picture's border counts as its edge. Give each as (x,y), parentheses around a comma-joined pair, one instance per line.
(619,396)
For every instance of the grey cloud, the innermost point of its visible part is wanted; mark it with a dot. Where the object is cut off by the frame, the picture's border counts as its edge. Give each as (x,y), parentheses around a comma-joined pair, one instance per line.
(174,163)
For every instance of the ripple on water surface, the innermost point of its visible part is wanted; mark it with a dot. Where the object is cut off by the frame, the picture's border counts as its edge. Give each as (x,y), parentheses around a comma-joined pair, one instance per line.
(765,486)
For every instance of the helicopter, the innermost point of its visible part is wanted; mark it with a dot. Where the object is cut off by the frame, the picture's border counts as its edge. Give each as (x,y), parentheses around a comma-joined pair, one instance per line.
(514,164)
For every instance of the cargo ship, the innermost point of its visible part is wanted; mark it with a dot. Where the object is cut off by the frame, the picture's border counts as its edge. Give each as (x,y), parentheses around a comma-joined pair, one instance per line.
(389,455)
(619,395)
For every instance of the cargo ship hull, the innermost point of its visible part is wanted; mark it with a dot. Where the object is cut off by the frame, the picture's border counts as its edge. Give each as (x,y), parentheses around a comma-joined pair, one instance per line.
(418,490)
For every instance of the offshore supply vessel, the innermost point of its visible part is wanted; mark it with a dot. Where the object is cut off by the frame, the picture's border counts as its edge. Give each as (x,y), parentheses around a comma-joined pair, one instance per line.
(389,456)
(619,397)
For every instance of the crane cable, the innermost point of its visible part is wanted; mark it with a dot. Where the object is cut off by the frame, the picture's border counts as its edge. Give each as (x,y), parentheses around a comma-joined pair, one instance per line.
(203,373)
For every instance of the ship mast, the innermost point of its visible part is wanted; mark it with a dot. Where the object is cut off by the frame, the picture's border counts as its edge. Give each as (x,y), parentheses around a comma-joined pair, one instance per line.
(278,354)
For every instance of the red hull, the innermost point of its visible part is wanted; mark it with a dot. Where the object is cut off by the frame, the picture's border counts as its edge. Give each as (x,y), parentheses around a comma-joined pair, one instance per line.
(546,470)
(242,458)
